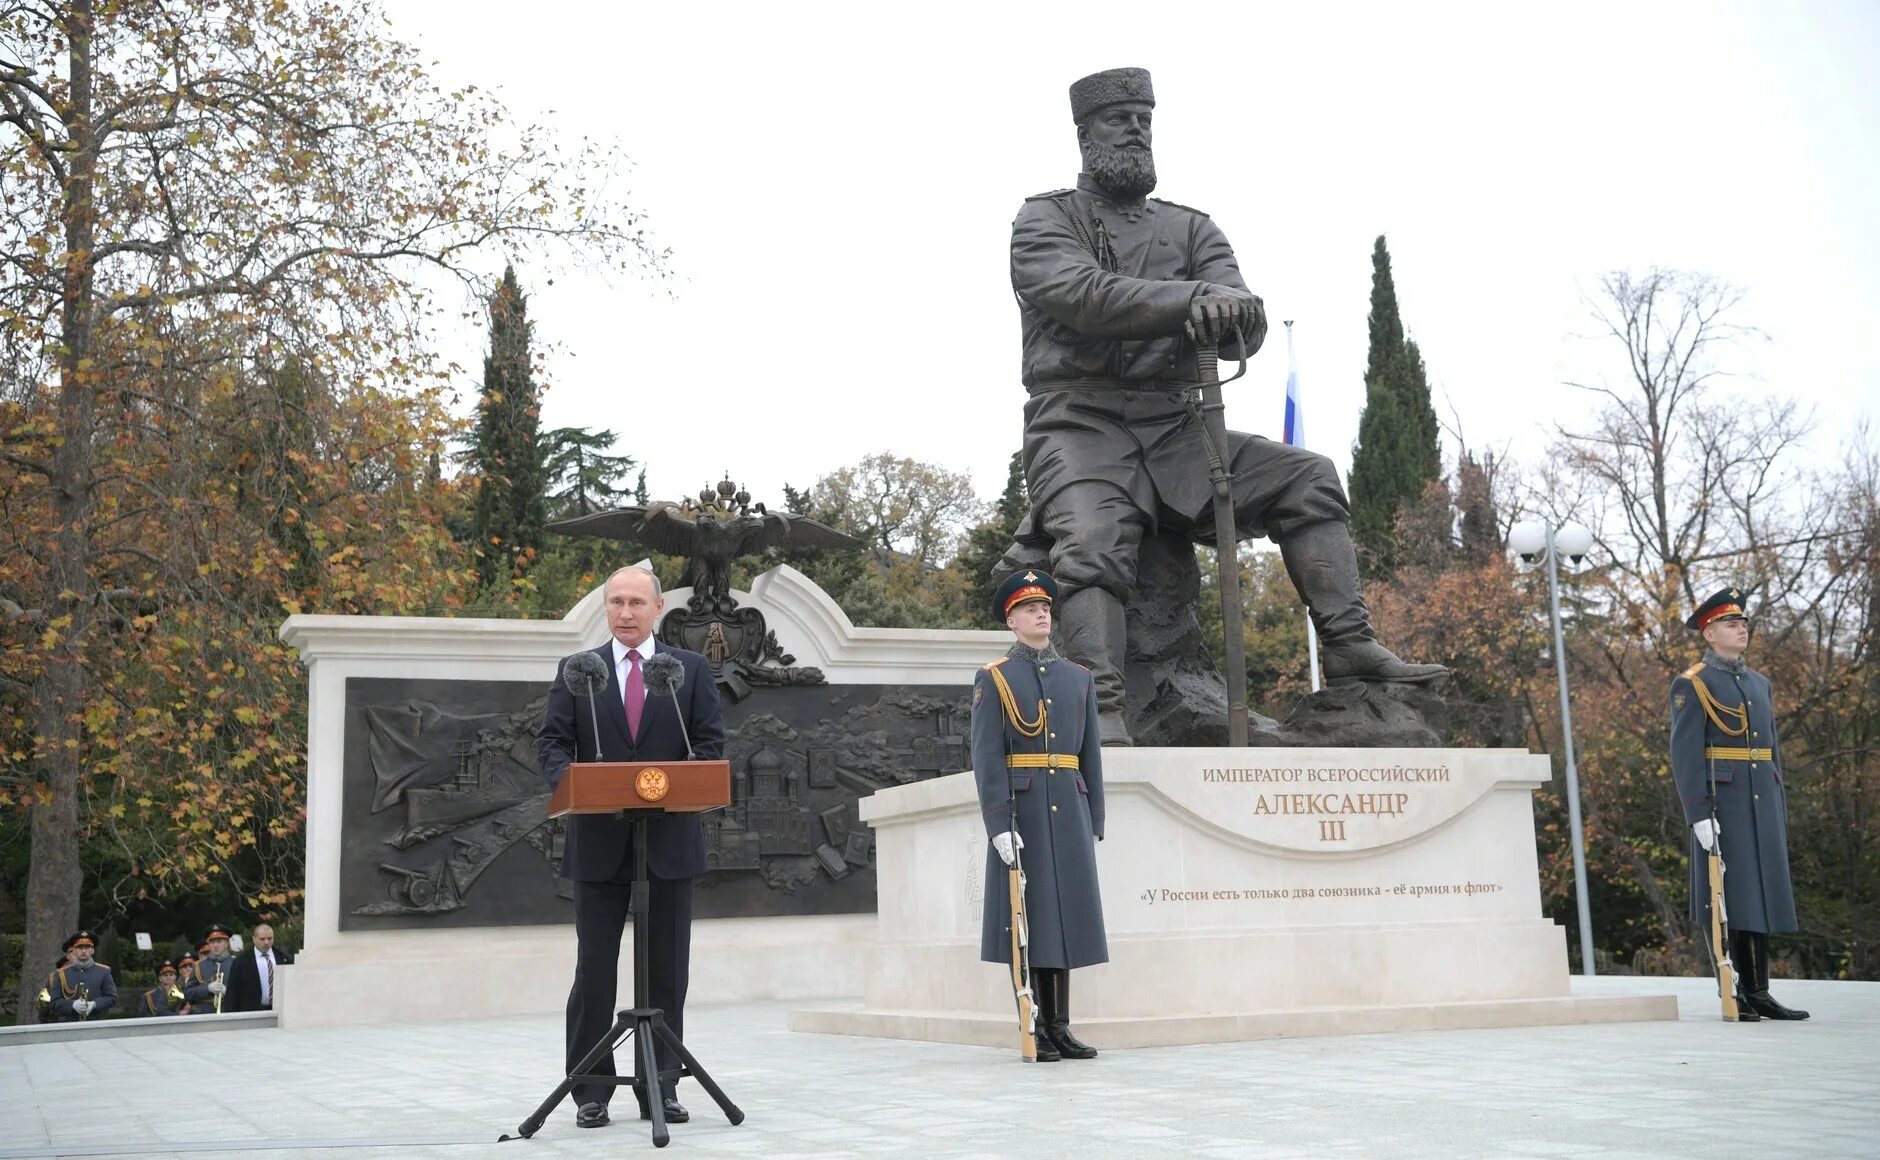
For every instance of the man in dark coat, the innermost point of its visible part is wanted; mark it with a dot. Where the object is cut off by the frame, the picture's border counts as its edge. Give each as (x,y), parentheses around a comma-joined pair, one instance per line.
(598,858)
(83,988)
(251,975)
(1115,290)
(1036,744)
(1728,767)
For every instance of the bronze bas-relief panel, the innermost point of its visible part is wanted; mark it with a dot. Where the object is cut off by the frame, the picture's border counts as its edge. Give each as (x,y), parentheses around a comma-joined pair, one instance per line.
(444,813)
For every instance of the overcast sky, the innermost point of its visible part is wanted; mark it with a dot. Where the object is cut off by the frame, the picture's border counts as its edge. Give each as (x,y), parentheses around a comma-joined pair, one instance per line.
(837,186)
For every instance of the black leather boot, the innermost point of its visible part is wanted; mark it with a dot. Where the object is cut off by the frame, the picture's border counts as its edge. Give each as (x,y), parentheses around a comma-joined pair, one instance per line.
(1323,565)
(1041,1004)
(1760,999)
(1743,961)
(1092,628)
(1059,1028)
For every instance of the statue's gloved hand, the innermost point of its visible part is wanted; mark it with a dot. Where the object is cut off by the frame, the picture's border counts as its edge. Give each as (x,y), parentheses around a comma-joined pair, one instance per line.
(1707,832)
(1219,311)
(1002,842)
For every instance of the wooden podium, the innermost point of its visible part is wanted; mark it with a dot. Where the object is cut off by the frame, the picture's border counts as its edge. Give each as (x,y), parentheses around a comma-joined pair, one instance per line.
(640,790)
(673,787)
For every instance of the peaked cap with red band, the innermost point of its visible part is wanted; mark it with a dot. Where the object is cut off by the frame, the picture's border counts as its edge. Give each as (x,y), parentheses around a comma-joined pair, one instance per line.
(1022,587)
(1721,606)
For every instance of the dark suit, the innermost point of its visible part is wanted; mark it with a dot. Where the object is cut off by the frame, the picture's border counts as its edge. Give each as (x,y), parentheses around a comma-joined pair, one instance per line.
(244,982)
(598,855)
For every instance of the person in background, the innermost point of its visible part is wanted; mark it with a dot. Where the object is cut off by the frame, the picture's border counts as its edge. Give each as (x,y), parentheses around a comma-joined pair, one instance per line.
(166,998)
(251,978)
(83,988)
(211,973)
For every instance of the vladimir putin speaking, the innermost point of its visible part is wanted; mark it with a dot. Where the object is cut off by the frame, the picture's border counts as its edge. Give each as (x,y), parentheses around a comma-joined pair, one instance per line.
(598,859)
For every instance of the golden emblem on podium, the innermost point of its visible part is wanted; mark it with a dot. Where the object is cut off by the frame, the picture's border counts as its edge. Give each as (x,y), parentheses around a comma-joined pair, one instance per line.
(652,784)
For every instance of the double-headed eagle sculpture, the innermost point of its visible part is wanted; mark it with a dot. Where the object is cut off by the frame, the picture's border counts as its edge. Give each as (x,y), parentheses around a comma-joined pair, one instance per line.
(711,532)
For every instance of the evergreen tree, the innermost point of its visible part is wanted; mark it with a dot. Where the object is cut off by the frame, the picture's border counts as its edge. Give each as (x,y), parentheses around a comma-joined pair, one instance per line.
(580,476)
(1398,453)
(986,544)
(506,451)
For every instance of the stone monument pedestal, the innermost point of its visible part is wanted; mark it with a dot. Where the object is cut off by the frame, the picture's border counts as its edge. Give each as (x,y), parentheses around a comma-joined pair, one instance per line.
(1248,893)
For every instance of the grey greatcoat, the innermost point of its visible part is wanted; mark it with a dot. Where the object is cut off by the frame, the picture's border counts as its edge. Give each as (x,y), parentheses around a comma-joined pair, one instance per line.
(1734,734)
(73,982)
(1060,809)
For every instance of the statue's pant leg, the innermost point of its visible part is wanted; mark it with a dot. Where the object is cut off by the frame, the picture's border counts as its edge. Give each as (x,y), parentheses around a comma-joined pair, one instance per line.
(1096,531)
(1296,496)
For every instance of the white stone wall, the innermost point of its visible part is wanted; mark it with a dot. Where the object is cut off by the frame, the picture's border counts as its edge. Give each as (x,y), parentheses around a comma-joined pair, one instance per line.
(1224,892)
(371,976)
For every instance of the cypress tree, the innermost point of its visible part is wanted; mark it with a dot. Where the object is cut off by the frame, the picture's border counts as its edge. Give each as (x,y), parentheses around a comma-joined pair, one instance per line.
(986,544)
(506,451)
(1398,453)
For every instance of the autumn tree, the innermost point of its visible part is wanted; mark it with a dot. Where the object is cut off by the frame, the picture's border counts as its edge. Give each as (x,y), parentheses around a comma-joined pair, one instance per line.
(197,195)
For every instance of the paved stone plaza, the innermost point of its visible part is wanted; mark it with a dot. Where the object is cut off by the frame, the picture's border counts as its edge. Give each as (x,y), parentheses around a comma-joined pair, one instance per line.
(1697,1088)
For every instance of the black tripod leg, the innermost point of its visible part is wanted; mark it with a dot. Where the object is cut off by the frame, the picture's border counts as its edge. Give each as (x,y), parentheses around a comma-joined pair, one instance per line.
(649,1067)
(607,1043)
(698,1073)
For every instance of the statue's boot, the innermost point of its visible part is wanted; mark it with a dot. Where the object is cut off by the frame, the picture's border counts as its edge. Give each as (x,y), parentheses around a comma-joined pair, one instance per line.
(1091,626)
(1760,1000)
(1323,565)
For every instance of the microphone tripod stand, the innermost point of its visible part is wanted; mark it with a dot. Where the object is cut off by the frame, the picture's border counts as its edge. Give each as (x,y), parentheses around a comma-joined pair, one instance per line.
(643,1024)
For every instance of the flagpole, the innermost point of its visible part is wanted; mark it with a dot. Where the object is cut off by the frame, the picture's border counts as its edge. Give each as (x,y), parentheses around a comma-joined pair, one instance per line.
(1295,434)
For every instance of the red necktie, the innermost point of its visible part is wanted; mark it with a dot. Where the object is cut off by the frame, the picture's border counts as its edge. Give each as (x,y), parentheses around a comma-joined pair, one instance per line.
(635,692)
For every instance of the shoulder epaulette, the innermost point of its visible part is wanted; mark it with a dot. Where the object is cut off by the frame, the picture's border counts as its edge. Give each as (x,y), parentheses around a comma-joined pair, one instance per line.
(101,963)
(1691,673)
(1055,193)
(1068,660)
(989,665)
(1178,205)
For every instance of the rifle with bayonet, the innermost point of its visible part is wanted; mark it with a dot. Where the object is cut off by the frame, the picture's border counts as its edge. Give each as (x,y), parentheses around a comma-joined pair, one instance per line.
(1719,919)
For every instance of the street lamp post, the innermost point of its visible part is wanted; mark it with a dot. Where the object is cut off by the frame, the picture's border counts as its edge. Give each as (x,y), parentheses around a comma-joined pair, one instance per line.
(1529,540)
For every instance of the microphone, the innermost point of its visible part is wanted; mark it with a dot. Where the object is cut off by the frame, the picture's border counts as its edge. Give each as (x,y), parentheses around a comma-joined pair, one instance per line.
(664,673)
(585,674)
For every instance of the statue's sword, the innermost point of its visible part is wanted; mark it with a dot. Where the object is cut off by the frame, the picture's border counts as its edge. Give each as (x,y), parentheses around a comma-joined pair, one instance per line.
(1213,416)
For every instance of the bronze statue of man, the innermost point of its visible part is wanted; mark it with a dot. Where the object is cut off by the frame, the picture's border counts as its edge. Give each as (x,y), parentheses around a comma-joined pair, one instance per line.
(1116,289)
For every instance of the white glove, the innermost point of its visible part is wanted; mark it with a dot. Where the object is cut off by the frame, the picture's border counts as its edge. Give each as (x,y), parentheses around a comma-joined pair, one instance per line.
(82,1006)
(217,987)
(1707,832)
(1002,842)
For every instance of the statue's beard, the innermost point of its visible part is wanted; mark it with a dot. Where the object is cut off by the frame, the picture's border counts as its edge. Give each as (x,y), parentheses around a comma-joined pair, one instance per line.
(1122,170)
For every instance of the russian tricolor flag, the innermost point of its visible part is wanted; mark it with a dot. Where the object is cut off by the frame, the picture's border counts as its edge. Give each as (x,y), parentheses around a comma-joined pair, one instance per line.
(1294,430)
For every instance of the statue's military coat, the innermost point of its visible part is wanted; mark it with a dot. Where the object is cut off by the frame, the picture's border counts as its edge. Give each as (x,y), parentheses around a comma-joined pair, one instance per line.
(1060,811)
(1103,291)
(72,981)
(1752,798)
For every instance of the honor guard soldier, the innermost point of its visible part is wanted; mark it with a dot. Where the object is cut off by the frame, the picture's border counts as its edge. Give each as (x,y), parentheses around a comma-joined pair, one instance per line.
(166,998)
(83,988)
(1037,761)
(1728,768)
(205,997)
